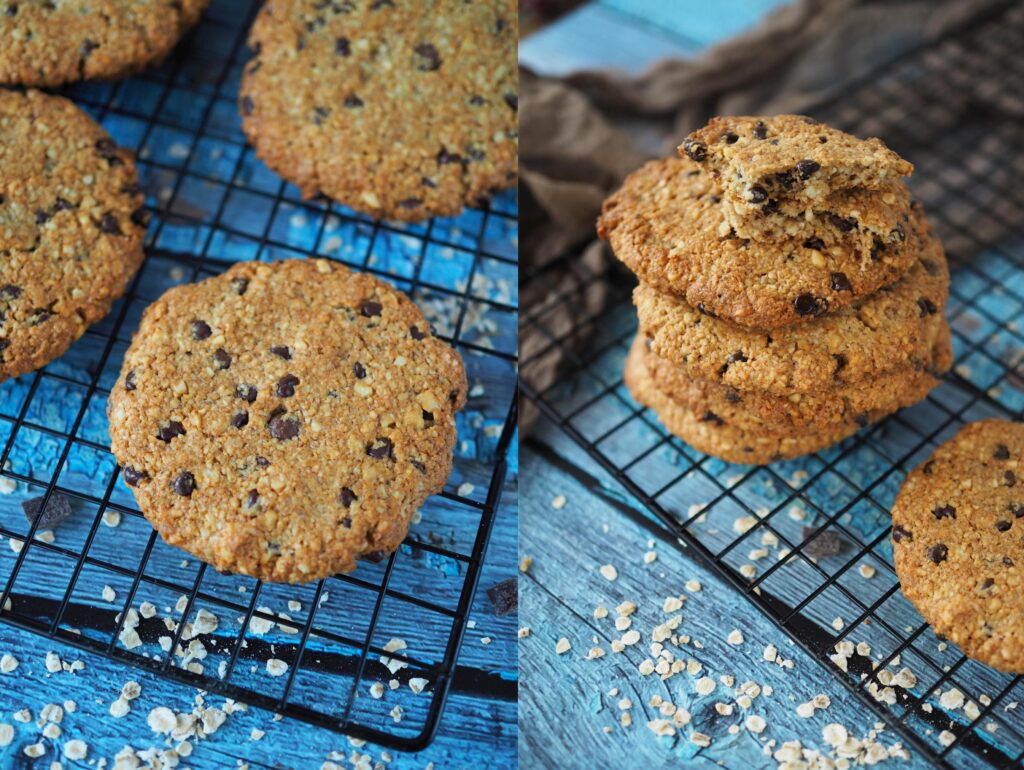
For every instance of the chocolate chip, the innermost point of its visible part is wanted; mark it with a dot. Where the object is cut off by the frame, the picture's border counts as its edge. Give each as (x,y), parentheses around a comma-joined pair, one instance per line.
(283,428)
(200,330)
(938,552)
(129,380)
(900,533)
(282,351)
(319,114)
(701,308)
(252,498)
(415,333)
(806,168)
(41,216)
(504,597)
(358,370)
(246,392)
(427,58)
(12,10)
(109,225)
(1003,525)
(140,216)
(347,497)
(262,462)
(1007,561)
(419,466)
(475,153)
(926,305)
(944,512)
(1017,509)
(410,203)
(374,557)
(240,419)
(57,509)
(428,417)
(732,396)
(88,47)
(444,158)
(828,543)
(240,286)
(733,358)
(840,282)
(346,522)
(757,194)
(814,243)
(10,291)
(1002,452)
(806,305)
(476,100)
(184,484)
(730,137)
(173,429)
(342,47)
(64,205)
(369,308)
(760,130)
(928,468)
(710,416)
(381,448)
(1009,478)
(695,149)
(352,101)
(986,584)
(898,233)
(771,207)
(930,267)
(223,359)
(512,101)
(247,105)
(286,386)
(132,476)
(843,225)
(861,419)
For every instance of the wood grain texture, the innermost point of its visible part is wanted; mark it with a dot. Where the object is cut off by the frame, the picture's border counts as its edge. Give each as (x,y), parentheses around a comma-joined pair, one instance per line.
(565,703)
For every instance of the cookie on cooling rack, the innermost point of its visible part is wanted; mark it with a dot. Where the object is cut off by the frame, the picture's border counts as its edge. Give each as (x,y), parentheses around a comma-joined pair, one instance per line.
(49,43)
(71,227)
(667,225)
(395,109)
(958,541)
(283,420)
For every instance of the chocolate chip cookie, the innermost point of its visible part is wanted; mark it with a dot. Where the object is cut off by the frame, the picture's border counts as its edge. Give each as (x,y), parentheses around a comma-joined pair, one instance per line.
(734,435)
(903,386)
(51,42)
(667,224)
(283,420)
(897,326)
(958,541)
(397,109)
(764,163)
(71,227)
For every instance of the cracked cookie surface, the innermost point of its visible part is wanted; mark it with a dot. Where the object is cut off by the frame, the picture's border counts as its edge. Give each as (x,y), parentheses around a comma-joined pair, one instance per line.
(51,42)
(788,161)
(71,227)
(958,541)
(396,108)
(667,225)
(897,326)
(283,420)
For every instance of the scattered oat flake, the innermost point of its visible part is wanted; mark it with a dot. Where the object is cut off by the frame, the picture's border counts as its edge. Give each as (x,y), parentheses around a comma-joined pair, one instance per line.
(700,739)
(866,571)
(650,557)
(76,749)
(161,720)
(609,572)
(735,638)
(276,667)
(465,489)
(8,663)
(693,586)
(563,646)
(755,723)
(558,502)
(523,632)
(525,563)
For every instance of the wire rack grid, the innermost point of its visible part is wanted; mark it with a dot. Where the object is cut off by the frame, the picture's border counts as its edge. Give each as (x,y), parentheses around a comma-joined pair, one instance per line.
(104,581)
(807,540)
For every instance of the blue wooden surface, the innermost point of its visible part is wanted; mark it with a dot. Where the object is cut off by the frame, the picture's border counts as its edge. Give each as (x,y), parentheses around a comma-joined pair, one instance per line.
(217,201)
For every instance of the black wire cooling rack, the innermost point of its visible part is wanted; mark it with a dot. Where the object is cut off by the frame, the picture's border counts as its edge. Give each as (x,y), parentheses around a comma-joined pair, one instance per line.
(104,581)
(807,541)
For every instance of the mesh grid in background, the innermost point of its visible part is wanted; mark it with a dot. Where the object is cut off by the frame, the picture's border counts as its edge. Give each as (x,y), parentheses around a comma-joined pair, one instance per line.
(106,582)
(807,540)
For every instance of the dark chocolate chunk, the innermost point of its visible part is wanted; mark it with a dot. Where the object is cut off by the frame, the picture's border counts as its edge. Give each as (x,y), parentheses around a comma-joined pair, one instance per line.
(1001,452)
(132,476)
(247,105)
(240,285)
(415,333)
(927,306)
(129,380)
(504,597)
(695,149)
(109,225)
(843,225)
(352,101)
(730,137)
(246,392)
(170,431)
(201,330)
(445,158)
(512,100)
(342,47)
(1009,478)
(760,130)
(240,419)
(347,497)
(223,359)
(840,282)
(938,552)
(428,58)
(252,498)
(286,386)
(381,448)
(1003,525)
(358,370)
(282,351)
(900,533)
(370,308)
(944,512)
(262,462)
(283,428)
(757,194)
(807,167)
(814,243)
(57,509)
(807,305)
(184,484)
(710,416)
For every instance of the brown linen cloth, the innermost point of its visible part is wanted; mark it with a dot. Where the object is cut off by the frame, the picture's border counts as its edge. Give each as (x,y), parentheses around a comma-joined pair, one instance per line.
(577,134)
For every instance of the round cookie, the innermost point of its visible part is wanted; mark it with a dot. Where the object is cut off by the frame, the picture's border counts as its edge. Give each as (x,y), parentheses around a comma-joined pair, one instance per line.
(897,326)
(71,227)
(667,225)
(283,420)
(958,541)
(49,43)
(901,387)
(735,436)
(398,109)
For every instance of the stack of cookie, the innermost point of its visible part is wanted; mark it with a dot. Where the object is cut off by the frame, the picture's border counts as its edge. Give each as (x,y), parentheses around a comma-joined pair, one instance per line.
(791,292)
